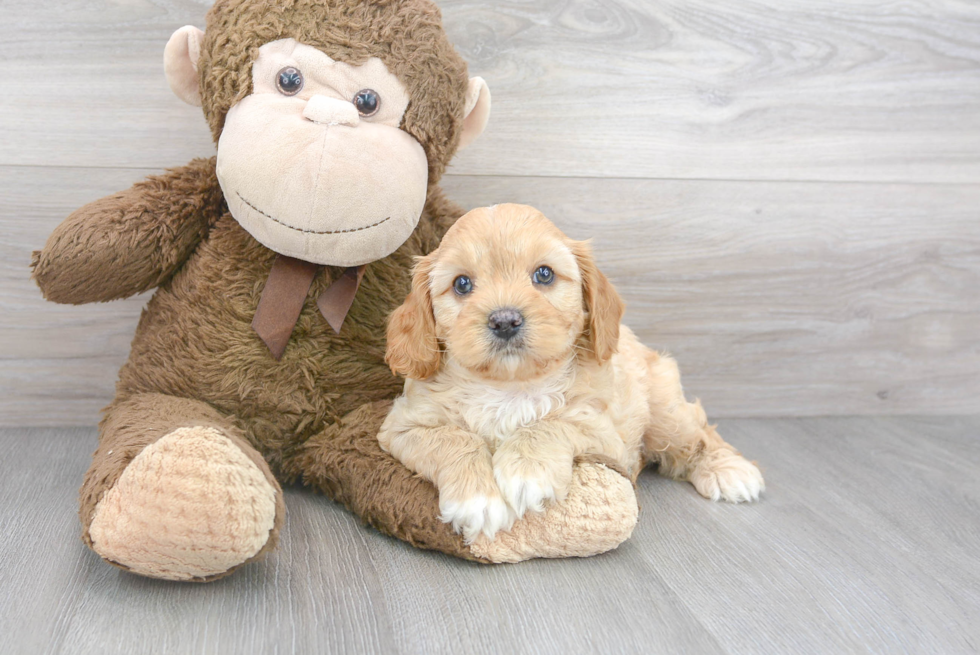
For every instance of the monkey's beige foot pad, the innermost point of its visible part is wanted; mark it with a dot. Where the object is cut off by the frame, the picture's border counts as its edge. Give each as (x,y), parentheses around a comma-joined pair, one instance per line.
(598,514)
(191,505)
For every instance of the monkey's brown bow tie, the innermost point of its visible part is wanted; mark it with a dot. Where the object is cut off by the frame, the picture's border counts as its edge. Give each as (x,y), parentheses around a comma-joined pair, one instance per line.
(285,292)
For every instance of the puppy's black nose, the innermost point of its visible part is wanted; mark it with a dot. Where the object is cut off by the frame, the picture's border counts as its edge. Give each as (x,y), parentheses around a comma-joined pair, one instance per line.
(505,323)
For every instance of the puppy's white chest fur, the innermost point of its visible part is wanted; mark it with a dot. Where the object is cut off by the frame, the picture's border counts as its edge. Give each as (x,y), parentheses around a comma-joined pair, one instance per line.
(497,411)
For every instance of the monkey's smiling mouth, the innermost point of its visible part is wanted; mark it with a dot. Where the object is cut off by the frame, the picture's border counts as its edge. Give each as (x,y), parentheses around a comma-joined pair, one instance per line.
(296,229)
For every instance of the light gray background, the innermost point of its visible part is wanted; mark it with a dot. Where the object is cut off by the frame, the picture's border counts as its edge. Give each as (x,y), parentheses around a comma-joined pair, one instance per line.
(785,191)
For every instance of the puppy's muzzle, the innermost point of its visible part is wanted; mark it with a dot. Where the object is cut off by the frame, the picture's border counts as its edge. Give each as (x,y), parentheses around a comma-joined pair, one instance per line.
(505,323)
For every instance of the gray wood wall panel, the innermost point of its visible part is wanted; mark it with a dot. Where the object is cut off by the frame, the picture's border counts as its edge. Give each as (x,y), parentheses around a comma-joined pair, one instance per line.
(787,193)
(777,298)
(778,89)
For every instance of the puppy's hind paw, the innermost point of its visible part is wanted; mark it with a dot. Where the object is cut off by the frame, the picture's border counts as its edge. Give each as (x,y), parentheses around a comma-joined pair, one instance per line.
(728,477)
(475,515)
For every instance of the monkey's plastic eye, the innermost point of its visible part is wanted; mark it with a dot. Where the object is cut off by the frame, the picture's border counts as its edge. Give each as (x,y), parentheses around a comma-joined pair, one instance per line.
(367,102)
(462,285)
(544,275)
(289,81)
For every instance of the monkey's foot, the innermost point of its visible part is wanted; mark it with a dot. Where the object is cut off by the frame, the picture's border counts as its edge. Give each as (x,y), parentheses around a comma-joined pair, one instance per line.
(598,514)
(190,506)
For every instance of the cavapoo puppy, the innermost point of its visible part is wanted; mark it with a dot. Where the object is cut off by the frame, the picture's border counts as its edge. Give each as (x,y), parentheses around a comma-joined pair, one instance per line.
(516,363)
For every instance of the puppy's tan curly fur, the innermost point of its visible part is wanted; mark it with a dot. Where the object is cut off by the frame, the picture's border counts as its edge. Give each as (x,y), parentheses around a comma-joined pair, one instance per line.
(496,417)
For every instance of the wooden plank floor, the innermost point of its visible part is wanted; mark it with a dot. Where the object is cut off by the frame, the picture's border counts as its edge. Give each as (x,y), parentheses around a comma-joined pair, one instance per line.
(866,541)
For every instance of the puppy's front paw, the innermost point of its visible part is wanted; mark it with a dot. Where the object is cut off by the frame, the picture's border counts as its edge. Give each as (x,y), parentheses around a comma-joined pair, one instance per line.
(525,494)
(728,476)
(528,485)
(476,514)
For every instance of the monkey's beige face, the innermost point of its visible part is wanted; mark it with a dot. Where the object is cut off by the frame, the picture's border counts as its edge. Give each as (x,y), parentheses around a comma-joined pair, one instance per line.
(313,163)
(507,293)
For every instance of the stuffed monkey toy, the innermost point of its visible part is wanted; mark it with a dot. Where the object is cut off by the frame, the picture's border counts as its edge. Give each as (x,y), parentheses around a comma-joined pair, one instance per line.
(259,360)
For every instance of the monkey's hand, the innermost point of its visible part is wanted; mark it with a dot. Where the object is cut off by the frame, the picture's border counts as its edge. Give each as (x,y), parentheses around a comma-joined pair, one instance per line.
(131,241)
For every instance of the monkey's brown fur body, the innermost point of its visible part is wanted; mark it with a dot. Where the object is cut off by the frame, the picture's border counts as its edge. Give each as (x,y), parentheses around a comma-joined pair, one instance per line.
(196,362)
(313,415)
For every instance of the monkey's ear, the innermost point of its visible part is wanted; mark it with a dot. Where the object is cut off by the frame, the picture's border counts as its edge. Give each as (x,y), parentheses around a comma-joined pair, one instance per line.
(180,63)
(476,112)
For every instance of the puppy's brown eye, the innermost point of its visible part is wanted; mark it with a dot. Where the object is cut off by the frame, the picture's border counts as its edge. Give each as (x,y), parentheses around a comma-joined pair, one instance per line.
(289,81)
(462,285)
(544,275)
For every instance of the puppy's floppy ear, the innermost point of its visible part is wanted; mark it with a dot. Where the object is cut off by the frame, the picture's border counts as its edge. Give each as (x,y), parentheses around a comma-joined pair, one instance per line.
(602,302)
(413,350)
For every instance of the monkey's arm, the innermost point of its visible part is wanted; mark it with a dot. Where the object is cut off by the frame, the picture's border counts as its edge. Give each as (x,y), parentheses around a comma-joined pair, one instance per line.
(131,241)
